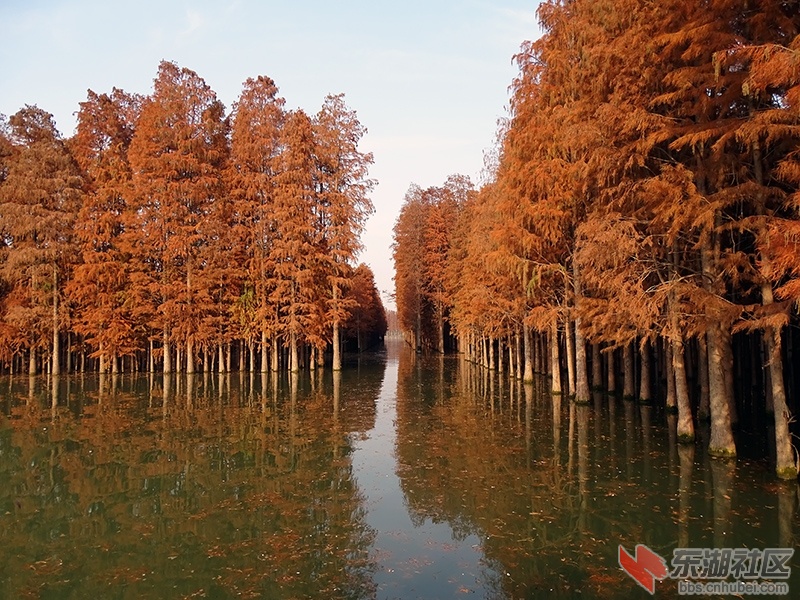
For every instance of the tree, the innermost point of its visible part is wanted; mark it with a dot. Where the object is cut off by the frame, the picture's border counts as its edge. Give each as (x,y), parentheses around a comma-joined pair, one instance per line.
(109,313)
(39,199)
(177,155)
(258,117)
(296,248)
(366,320)
(344,201)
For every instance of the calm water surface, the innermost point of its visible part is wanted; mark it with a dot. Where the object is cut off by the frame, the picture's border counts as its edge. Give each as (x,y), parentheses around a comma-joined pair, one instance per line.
(401,477)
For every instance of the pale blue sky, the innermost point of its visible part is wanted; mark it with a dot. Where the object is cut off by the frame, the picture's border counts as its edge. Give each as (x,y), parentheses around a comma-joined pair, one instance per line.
(429,79)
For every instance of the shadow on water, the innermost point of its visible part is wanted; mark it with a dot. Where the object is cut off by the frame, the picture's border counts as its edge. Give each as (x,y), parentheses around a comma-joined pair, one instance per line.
(219,486)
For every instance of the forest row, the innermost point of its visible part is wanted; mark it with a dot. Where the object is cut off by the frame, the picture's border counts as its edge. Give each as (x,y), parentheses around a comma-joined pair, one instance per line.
(639,231)
(168,235)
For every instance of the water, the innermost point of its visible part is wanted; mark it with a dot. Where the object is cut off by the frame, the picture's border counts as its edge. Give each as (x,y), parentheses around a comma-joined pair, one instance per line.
(402,477)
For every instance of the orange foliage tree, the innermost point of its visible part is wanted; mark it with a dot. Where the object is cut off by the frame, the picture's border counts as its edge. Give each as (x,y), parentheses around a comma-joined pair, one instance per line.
(644,196)
(176,155)
(39,198)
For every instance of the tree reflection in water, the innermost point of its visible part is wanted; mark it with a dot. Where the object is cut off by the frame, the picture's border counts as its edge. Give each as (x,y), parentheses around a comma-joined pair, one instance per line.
(230,486)
(552,509)
(177,487)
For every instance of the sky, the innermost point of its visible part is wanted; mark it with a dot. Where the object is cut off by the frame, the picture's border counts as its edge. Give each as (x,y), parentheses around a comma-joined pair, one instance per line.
(428,79)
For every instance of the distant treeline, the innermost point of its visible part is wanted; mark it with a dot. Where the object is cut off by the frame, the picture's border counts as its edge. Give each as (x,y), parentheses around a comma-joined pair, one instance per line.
(643,219)
(177,237)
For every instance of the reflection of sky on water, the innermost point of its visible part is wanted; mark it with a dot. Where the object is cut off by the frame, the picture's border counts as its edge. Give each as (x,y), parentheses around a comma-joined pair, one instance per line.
(422,561)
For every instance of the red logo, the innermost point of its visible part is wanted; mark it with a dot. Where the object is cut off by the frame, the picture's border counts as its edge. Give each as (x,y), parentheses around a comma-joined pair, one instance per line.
(645,568)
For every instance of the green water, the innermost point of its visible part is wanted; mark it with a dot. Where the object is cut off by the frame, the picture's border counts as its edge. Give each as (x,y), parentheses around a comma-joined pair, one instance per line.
(401,477)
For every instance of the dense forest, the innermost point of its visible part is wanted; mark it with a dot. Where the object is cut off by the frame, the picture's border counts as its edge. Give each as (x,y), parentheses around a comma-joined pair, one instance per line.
(169,235)
(639,232)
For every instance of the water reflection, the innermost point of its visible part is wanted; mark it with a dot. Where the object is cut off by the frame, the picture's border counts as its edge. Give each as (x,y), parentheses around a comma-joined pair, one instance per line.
(185,486)
(551,508)
(406,476)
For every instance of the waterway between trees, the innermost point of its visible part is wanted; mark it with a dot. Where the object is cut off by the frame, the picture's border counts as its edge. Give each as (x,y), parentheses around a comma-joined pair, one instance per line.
(403,476)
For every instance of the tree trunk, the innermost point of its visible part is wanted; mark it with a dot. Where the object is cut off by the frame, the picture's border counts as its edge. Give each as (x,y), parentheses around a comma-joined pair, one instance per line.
(611,385)
(703,409)
(555,360)
(275,354)
(730,386)
(337,343)
(189,356)
(597,368)
(440,314)
(264,351)
(570,349)
(294,358)
(721,443)
(785,465)
(167,352)
(528,343)
(56,368)
(103,368)
(672,397)
(68,353)
(582,394)
(629,381)
(685,423)
(645,389)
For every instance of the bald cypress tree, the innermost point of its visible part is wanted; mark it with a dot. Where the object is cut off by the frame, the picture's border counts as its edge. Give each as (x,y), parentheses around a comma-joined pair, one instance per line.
(177,155)
(39,199)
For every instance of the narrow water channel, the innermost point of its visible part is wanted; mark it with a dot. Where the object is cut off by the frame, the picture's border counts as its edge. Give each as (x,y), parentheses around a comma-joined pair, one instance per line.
(415,557)
(405,476)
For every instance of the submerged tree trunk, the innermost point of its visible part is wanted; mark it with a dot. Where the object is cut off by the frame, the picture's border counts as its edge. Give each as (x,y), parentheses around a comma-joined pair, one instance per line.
(275,354)
(645,390)
(629,381)
(570,349)
(294,358)
(669,369)
(785,465)
(264,351)
(611,385)
(167,368)
(555,360)
(685,423)
(189,356)
(528,343)
(721,442)
(597,367)
(336,341)
(582,395)
(56,368)
(703,409)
